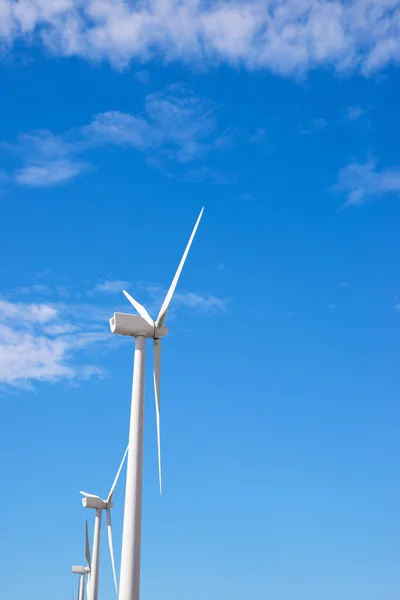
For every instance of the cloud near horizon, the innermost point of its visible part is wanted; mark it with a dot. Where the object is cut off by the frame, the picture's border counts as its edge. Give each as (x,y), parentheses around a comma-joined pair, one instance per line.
(289,37)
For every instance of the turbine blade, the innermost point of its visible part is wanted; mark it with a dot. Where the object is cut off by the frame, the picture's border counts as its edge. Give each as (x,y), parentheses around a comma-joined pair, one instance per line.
(87,550)
(110,495)
(110,544)
(156,377)
(163,311)
(140,309)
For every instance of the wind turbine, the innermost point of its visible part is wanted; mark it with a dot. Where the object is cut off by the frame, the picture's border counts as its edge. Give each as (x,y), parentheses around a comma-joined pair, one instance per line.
(83,571)
(141,327)
(92,501)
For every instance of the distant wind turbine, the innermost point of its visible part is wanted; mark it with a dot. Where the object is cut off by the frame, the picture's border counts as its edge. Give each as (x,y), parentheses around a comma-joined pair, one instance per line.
(92,501)
(141,327)
(83,571)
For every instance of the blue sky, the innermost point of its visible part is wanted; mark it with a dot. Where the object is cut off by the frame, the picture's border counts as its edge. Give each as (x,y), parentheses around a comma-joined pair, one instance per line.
(280,377)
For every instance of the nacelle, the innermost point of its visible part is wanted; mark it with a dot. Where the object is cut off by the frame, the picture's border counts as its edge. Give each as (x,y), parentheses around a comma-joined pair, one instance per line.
(134,325)
(95,502)
(80,570)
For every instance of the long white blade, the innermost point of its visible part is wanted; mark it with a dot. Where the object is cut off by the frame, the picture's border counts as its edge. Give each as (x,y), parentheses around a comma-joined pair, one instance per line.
(140,309)
(163,311)
(156,377)
(110,544)
(87,549)
(110,495)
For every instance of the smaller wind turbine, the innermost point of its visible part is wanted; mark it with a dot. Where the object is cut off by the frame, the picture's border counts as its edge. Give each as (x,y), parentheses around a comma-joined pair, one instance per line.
(92,501)
(83,571)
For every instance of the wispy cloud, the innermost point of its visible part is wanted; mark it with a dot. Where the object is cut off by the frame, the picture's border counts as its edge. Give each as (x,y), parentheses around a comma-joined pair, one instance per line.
(247,197)
(25,313)
(287,36)
(202,303)
(110,287)
(174,126)
(354,113)
(52,173)
(38,343)
(59,341)
(205,173)
(362,182)
(35,289)
(314,125)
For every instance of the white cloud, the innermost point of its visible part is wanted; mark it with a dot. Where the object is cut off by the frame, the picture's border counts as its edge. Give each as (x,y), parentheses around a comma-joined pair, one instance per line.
(24,313)
(284,36)
(175,125)
(51,341)
(111,287)
(201,303)
(35,289)
(174,119)
(363,181)
(354,113)
(50,174)
(247,197)
(314,125)
(37,343)
(118,129)
(63,329)
(205,173)
(142,76)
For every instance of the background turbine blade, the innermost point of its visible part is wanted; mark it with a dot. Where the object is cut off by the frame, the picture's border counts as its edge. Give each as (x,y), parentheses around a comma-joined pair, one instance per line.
(110,544)
(156,377)
(163,311)
(140,309)
(110,495)
(87,550)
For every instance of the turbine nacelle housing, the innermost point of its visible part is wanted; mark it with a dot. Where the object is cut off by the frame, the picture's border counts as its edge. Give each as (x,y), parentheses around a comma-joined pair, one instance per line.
(96,502)
(80,570)
(134,325)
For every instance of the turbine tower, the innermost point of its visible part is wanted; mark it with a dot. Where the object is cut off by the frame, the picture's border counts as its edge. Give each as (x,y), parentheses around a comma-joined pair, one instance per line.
(141,327)
(83,571)
(92,501)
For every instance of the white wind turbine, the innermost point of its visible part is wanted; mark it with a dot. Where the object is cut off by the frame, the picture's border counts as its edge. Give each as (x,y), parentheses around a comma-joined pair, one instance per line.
(83,571)
(92,501)
(141,327)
